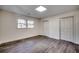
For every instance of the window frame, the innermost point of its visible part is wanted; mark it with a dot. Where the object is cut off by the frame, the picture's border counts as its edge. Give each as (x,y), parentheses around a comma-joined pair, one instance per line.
(22,23)
(26,24)
(30,24)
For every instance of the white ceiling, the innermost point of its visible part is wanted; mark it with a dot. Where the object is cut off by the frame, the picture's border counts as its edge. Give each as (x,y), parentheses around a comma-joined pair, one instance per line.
(29,10)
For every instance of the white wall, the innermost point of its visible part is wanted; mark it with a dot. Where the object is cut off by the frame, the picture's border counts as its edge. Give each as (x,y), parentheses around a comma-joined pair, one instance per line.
(8,27)
(53,25)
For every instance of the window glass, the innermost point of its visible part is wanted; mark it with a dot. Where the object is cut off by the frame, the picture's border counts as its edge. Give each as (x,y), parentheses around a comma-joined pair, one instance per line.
(30,24)
(21,23)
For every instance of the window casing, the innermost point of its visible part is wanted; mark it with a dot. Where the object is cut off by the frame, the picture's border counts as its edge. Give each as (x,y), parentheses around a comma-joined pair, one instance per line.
(21,23)
(30,24)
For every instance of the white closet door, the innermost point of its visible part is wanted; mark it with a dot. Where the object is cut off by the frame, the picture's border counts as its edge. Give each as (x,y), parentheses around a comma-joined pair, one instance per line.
(77,29)
(67,29)
(46,28)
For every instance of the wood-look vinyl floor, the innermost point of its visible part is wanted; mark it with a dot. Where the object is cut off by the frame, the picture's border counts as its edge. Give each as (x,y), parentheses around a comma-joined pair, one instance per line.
(39,44)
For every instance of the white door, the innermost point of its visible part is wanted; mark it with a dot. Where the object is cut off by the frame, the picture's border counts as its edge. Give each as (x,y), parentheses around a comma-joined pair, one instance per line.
(46,28)
(77,29)
(67,29)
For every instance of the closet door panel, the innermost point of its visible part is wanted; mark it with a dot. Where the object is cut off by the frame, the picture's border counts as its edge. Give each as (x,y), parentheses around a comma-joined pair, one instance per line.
(67,29)
(77,29)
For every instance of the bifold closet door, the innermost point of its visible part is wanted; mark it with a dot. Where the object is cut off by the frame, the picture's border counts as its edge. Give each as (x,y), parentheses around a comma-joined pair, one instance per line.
(67,28)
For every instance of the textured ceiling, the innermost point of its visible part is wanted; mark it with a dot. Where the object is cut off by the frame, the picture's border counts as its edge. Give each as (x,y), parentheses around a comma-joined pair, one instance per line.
(29,10)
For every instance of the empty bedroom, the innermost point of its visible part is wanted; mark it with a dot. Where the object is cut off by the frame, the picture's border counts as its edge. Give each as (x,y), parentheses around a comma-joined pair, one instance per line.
(39,28)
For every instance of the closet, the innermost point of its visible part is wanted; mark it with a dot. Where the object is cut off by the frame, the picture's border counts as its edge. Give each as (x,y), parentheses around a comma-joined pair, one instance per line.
(66,28)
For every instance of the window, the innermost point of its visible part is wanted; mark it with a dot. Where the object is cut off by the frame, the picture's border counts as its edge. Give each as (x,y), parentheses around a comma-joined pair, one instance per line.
(30,24)
(21,23)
